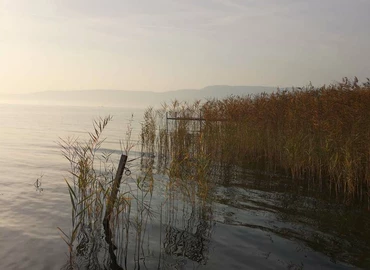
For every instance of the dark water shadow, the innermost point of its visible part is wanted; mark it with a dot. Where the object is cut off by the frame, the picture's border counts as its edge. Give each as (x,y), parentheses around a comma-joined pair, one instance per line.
(279,207)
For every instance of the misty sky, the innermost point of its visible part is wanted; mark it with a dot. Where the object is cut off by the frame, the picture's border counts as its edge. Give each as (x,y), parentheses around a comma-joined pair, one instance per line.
(164,45)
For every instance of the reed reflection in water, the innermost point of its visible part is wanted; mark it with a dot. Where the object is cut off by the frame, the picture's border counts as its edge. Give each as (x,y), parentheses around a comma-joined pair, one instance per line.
(158,229)
(150,223)
(185,212)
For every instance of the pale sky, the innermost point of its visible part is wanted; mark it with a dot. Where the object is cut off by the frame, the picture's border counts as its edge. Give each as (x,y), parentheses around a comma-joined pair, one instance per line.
(162,45)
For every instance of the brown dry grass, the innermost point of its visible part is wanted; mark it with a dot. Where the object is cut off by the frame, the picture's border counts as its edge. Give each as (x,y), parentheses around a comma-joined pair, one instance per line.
(318,136)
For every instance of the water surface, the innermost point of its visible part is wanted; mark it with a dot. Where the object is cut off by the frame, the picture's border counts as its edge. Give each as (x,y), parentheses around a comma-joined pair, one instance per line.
(251,222)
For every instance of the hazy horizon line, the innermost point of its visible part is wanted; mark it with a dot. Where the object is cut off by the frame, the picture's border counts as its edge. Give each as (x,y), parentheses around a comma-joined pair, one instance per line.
(148,91)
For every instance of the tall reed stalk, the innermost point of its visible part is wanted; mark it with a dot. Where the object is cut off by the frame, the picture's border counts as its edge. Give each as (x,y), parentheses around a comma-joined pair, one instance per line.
(127,217)
(317,136)
(90,187)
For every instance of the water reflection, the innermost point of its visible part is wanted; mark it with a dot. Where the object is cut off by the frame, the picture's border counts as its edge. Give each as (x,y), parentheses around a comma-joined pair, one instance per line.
(281,210)
(157,228)
(192,239)
(167,220)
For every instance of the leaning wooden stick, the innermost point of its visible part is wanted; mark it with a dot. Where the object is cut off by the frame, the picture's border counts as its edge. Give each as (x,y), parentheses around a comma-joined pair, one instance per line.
(115,188)
(110,205)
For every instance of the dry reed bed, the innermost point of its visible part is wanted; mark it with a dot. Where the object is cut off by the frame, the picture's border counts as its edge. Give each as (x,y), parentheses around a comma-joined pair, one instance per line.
(320,135)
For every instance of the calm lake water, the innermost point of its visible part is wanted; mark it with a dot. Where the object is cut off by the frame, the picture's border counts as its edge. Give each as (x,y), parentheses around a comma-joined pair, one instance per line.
(252,222)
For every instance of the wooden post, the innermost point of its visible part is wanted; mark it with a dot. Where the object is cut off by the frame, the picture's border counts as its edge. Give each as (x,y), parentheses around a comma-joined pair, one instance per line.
(167,122)
(200,122)
(115,187)
(108,212)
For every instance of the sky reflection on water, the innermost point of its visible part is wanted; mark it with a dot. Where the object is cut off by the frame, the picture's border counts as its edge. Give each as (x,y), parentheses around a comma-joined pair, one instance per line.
(245,226)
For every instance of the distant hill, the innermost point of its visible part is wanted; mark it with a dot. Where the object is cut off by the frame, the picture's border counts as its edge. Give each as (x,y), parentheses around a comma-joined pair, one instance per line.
(137,99)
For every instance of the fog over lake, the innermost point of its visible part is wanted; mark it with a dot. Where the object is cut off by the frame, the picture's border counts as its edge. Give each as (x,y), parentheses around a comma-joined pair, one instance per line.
(129,99)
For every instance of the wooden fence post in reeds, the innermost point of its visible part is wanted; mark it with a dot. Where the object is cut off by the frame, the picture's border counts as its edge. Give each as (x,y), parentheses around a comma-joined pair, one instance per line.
(109,209)
(115,187)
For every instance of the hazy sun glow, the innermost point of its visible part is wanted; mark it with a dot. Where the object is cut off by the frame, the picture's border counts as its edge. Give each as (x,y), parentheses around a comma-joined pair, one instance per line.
(166,45)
